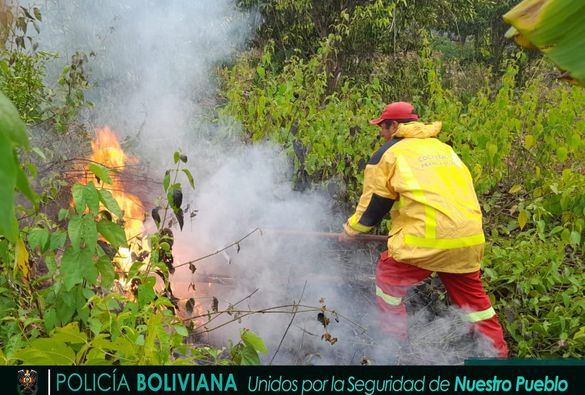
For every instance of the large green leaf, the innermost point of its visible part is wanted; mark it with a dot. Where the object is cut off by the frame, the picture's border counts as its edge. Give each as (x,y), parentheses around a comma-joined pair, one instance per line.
(249,356)
(252,339)
(12,134)
(109,202)
(78,197)
(555,27)
(146,292)
(12,129)
(105,268)
(50,318)
(65,307)
(23,185)
(101,173)
(90,195)
(57,240)
(89,232)
(8,225)
(113,233)
(76,266)
(70,333)
(38,238)
(74,231)
(46,352)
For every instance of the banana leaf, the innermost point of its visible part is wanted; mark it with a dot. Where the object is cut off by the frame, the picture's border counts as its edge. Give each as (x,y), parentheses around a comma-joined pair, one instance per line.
(555,27)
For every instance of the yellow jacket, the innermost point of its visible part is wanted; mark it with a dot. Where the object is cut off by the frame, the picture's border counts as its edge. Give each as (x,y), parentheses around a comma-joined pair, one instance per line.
(436,223)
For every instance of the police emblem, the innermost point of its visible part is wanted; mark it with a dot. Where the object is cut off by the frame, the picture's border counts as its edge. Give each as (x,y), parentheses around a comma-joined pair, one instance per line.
(27,382)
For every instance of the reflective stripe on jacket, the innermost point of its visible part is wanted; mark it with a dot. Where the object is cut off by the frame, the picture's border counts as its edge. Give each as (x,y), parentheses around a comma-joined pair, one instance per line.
(436,218)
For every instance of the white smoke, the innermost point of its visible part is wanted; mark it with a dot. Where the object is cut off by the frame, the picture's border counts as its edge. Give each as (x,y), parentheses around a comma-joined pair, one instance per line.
(152,62)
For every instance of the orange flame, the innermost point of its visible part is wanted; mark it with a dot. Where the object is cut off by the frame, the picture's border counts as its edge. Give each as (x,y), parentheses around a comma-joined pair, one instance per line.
(108,152)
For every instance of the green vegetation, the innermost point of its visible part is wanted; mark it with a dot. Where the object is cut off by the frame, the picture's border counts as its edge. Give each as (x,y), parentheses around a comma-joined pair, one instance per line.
(520,131)
(314,74)
(63,296)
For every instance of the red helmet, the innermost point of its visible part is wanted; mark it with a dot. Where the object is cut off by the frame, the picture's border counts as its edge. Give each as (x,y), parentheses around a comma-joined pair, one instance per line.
(399,111)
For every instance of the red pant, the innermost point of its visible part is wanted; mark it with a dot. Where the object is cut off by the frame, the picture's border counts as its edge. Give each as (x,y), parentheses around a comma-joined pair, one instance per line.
(393,279)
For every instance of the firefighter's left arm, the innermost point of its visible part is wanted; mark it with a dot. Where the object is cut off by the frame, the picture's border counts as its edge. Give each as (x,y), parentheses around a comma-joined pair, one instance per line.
(377,198)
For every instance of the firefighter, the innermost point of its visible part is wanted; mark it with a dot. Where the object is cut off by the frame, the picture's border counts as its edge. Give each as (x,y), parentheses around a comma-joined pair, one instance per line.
(436,221)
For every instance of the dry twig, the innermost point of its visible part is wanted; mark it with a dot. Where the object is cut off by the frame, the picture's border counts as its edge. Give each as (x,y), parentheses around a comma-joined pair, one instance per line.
(295,309)
(235,243)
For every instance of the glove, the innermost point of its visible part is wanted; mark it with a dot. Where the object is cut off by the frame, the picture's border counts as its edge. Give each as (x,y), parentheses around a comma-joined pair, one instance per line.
(351,232)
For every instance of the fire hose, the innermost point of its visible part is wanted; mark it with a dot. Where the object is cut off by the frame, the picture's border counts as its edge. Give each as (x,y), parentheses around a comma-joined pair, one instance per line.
(291,232)
(330,235)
